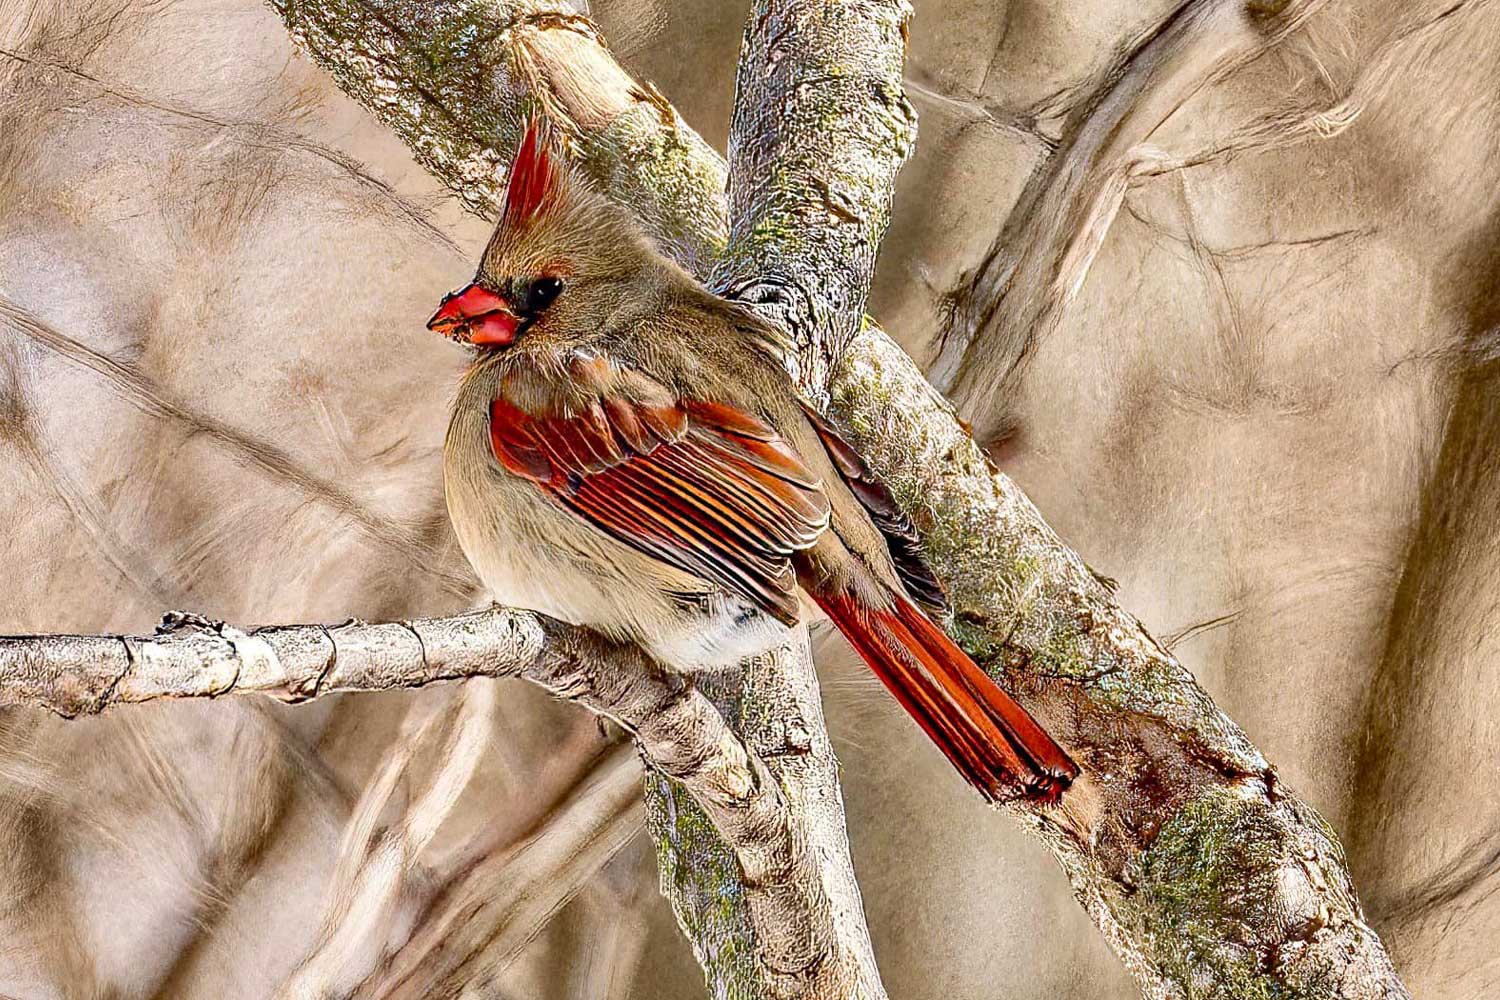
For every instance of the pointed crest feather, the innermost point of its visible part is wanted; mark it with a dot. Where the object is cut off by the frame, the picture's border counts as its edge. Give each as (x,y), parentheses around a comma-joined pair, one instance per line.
(536,176)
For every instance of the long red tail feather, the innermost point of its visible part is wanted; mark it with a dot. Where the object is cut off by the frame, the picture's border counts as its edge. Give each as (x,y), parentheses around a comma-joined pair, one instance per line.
(989,738)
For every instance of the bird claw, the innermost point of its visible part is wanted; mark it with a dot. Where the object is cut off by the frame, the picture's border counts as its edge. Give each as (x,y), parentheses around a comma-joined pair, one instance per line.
(174,622)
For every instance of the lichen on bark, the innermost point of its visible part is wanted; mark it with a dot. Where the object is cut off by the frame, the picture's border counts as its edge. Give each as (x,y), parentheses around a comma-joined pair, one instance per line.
(419,69)
(457,79)
(1189,891)
(821,127)
(1177,809)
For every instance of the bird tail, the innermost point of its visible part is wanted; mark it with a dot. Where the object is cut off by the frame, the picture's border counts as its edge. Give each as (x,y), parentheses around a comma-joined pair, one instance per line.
(989,738)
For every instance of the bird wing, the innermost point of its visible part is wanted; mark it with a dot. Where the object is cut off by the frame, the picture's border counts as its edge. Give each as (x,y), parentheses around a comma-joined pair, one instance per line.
(875,497)
(702,486)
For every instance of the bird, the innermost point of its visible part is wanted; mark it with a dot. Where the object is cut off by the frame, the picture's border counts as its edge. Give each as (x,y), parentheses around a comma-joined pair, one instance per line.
(627,452)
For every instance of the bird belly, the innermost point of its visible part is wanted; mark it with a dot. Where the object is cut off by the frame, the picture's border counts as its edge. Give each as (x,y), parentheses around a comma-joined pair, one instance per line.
(720,630)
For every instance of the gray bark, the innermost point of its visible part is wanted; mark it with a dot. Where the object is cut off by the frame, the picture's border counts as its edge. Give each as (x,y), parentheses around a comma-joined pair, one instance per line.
(777,880)
(821,126)
(1206,874)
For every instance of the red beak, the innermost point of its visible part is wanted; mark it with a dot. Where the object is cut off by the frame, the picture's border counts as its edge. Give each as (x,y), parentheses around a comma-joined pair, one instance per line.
(475,315)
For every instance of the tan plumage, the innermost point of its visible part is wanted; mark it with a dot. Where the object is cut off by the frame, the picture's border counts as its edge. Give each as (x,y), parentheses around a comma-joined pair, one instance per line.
(626,452)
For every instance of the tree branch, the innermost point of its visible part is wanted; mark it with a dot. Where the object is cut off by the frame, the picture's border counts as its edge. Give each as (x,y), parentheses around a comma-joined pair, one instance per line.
(1206,874)
(821,127)
(675,724)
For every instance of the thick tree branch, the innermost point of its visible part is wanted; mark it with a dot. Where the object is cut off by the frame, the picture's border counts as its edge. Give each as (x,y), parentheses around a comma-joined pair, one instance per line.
(455,80)
(1208,876)
(821,128)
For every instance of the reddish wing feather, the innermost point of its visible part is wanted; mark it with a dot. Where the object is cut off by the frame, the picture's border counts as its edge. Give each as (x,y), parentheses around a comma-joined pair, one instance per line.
(701,486)
(989,738)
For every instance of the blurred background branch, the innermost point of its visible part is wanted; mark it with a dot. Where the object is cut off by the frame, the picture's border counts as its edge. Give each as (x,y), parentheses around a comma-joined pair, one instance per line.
(1169,779)
(1250,423)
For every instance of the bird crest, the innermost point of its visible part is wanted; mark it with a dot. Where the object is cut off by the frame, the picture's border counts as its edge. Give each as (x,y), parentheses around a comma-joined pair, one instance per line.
(536,177)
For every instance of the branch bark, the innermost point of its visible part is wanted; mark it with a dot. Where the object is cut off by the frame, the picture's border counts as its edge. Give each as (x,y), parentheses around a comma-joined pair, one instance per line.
(821,127)
(676,726)
(1208,876)
(803,251)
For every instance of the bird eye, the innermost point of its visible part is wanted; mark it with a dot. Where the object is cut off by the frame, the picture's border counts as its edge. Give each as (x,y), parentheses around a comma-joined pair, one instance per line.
(540,293)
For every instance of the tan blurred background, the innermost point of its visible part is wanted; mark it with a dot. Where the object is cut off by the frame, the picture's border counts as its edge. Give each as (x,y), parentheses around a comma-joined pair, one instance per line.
(1271,413)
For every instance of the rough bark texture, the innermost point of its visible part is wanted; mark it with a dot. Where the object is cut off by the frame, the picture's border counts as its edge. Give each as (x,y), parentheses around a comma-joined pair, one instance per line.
(1241,416)
(1236,243)
(788,932)
(1207,875)
(821,126)
(510,56)
(433,73)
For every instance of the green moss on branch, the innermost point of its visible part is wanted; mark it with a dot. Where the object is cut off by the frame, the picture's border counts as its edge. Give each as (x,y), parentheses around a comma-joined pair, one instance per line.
(1177,810)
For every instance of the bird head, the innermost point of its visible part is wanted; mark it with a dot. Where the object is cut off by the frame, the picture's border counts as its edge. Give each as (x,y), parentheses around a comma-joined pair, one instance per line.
(562,259)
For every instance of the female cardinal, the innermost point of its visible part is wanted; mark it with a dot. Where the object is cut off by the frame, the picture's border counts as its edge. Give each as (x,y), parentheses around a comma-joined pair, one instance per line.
(627,453)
